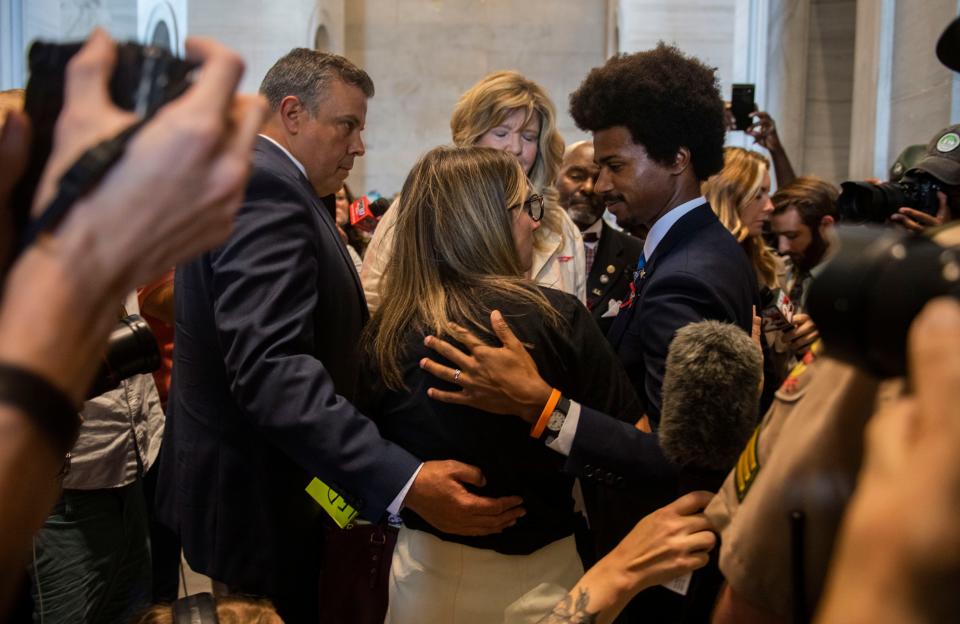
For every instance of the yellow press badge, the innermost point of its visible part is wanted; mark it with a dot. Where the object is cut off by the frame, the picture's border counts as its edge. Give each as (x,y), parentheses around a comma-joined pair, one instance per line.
(332,502)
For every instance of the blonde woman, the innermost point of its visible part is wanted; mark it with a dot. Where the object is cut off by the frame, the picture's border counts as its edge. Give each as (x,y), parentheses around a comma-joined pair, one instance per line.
(740,196)
(508,112)
(464,241)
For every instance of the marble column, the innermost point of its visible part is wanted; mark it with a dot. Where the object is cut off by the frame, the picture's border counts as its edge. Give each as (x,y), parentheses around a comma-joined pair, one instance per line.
(262,31)
(786,77)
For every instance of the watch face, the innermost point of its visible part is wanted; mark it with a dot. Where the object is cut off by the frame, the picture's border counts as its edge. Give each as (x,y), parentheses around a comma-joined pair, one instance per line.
(556,421)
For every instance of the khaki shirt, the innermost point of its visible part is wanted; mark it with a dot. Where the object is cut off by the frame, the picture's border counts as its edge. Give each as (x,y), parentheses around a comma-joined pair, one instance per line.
(804,456)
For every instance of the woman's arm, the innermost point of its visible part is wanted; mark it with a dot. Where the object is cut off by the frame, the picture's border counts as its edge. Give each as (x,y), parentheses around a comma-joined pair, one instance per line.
(668,543)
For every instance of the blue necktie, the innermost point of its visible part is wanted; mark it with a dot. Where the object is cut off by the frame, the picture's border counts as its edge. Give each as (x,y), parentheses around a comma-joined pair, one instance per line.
(640,273)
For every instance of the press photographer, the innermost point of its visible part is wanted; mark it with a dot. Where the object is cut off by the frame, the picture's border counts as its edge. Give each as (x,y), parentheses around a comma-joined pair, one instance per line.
(926,195)
(61,295)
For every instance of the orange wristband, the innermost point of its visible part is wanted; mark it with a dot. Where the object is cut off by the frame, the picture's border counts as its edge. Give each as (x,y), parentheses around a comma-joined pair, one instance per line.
(537,430)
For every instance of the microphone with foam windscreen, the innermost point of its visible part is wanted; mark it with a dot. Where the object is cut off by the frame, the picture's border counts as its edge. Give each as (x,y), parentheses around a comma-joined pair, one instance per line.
(711,399)
(711,396)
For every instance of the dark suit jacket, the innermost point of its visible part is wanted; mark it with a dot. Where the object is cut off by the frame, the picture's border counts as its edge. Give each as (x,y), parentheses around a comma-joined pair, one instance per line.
(266,362)
(697,272)
(572,355)
(616,259)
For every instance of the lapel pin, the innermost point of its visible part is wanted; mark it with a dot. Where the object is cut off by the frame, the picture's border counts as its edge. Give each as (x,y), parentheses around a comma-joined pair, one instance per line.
(604,279)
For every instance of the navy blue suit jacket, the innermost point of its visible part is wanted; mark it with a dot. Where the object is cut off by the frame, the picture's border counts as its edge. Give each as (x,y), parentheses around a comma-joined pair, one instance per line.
(697,272)
(266,362)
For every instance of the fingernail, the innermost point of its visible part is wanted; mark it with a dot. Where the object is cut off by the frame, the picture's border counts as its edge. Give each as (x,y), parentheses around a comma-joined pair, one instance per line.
(426,341)
(423,363)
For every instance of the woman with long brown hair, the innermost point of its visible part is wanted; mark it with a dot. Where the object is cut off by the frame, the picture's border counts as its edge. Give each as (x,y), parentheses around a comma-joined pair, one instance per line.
(463,246)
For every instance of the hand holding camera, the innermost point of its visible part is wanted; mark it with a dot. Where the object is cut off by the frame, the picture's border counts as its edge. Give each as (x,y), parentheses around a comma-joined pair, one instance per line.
(917,221)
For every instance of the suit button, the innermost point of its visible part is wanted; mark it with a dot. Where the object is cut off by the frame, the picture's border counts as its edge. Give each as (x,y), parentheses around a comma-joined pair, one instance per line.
(588,471)
(618,482)
(610,478)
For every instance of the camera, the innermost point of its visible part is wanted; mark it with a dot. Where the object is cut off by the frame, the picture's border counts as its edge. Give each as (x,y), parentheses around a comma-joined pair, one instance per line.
(143,80)
(131,350)
(867,295)
(863,202)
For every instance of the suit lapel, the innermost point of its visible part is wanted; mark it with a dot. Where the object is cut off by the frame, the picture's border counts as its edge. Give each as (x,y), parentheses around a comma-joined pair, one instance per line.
(689,223)
(325,208)
(609,249)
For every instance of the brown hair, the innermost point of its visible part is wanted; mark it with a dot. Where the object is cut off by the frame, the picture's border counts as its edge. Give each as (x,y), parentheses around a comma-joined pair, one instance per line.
(454,252)
(813,197)
(306,74)
(230,610)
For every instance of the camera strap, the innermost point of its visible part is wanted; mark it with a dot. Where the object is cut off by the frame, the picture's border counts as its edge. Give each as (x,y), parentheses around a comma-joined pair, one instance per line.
(79,180)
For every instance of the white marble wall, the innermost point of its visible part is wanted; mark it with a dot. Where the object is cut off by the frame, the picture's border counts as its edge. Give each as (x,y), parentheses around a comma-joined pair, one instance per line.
(920,95)
(422,54)
(703,28)
(786,75)
(829,89)
(263,31)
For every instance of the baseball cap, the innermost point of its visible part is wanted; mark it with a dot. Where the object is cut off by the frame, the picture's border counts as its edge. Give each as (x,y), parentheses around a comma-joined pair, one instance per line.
(942,157)
(948,47)
(906,161)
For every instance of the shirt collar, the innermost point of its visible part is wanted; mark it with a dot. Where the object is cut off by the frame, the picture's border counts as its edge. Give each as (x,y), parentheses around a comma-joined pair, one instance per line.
(289,155)
(595,228)
(664,223)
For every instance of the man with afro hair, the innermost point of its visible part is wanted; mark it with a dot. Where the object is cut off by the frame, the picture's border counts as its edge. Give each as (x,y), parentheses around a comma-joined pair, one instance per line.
(658,129)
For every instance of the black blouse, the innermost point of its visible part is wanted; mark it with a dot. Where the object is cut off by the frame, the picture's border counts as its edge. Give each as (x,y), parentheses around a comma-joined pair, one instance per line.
(574,357)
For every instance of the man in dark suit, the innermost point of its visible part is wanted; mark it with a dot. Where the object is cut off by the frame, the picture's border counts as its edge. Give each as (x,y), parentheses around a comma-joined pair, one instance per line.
(266,361)
(611,255)
(658,131)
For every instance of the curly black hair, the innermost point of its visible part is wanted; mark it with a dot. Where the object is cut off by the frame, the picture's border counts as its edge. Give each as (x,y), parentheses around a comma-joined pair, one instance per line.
(664,97)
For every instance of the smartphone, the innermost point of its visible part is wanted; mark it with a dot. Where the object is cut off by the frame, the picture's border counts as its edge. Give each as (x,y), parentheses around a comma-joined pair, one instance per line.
(742,105)
(777,314)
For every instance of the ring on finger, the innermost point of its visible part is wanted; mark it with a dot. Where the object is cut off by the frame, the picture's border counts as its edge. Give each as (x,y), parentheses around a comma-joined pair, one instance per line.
(456,375)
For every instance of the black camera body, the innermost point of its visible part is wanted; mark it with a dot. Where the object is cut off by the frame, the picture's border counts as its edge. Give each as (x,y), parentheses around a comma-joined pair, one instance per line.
(143,80)
(132,349)
(865,297)
(863,202)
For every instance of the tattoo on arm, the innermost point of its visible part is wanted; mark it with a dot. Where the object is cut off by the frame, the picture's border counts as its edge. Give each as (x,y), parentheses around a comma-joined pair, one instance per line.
(571,611)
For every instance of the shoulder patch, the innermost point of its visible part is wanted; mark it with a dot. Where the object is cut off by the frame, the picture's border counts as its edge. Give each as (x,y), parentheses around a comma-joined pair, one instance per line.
(795,384)
(748,466)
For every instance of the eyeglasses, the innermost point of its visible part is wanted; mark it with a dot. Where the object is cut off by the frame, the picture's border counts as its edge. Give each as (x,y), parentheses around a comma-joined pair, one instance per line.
(533,205)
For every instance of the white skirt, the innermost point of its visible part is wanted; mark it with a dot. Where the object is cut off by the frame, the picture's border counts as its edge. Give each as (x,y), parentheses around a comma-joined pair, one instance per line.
(433,581)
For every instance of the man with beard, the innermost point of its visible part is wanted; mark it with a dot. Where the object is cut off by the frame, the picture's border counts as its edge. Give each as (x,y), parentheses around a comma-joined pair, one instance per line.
(803,212)
(611,255)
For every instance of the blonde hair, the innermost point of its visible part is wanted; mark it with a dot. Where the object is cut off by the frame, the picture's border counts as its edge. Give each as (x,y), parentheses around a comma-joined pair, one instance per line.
(454,252)
(488,103)
(728,192)
(230,610)
(11,100)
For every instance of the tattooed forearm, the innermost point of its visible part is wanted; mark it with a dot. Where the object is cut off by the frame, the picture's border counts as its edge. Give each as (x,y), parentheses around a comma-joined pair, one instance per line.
(570,611)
